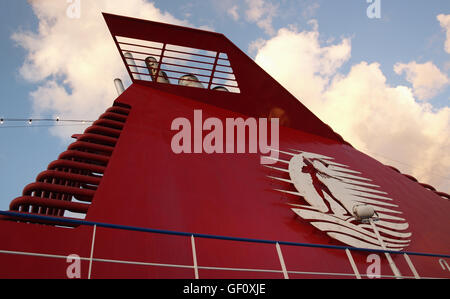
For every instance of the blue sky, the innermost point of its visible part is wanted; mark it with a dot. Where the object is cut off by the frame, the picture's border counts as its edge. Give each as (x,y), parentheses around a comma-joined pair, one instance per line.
(408,31)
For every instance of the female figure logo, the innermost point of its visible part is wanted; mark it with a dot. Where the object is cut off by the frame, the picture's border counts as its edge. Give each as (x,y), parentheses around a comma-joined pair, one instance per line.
(332,190)
(319,181)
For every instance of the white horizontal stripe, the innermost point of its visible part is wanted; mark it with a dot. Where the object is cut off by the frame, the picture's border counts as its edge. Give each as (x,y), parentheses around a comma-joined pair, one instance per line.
(39,254)
(277,150)
(94,259)
(338,169)
(360,188)
(186,266)
(345,175)
(279,160)
(279,179)
(276,168)
(239,269)
(355,182)
(332,227)
(142,263)
(288,192)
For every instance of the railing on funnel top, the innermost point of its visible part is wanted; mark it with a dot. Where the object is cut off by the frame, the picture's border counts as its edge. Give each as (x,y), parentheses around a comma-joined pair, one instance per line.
(173,64)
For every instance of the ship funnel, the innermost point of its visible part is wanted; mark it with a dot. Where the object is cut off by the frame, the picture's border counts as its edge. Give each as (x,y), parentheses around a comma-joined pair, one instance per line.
(119,86)
(152,66)
(132,64)
(190,80)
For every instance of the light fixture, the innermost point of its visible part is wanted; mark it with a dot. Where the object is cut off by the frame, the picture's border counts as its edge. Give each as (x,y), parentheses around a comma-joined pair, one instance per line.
(364,212)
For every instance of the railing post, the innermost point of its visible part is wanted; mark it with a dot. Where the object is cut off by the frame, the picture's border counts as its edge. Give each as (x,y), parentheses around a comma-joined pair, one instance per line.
(92,251)
(443,263)
(280,257)
(411,266)
(194,256)
(158,70)
(352,263)
(213,70)
(394,268)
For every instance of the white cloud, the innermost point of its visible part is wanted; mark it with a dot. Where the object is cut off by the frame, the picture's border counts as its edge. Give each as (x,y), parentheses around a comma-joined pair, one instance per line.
(310,10)
(262,13)
(305,66)
(444,20)
(233,12)
(256,45)
(75,60)
(426,78)
(379,119)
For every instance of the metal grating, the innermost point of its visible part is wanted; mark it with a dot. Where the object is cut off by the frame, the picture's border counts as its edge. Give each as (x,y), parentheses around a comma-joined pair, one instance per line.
(70,183)
(177,65)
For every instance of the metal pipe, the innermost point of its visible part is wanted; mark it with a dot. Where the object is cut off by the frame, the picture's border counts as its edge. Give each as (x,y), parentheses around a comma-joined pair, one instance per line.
(190,80)
(152,66)
(131,64)
(119,86)
(220,88)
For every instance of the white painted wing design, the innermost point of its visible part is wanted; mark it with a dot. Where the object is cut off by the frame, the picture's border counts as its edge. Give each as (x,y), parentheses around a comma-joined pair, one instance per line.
(331,191)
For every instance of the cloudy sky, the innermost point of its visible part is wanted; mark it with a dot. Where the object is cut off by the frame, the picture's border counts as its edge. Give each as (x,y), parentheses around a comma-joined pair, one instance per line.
(379,77)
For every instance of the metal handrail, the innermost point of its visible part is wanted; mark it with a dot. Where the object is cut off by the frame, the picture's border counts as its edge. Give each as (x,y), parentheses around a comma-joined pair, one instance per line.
(207,236)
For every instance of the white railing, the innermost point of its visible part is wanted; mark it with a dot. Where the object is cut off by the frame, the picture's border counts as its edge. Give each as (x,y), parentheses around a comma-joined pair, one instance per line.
(282,270)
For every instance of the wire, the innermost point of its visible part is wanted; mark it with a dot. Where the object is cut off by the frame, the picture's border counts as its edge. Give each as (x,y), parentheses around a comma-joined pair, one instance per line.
(30,120)
(38,126)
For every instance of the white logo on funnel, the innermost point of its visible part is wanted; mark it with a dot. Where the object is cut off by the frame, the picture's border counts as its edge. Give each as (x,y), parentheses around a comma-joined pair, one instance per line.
(334,193)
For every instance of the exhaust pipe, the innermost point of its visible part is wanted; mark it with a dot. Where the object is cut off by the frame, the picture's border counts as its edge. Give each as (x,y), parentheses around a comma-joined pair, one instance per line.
(190,80)
(152,66)
(131,64)
(119,86)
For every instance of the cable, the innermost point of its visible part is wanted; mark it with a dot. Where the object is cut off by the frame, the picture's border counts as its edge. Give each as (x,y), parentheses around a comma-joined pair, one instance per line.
(38,126)
(30,120)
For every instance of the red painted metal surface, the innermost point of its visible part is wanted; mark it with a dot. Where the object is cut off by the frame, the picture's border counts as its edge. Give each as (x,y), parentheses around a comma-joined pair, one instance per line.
(122,171)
